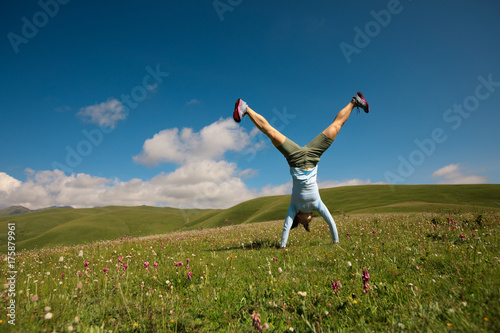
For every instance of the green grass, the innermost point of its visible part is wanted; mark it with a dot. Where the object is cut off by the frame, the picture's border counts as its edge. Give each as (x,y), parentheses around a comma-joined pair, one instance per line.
(54,227)
(424,277)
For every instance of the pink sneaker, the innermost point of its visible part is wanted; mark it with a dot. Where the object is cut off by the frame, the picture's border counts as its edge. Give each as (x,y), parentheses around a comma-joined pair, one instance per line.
(240,110)
(359,101)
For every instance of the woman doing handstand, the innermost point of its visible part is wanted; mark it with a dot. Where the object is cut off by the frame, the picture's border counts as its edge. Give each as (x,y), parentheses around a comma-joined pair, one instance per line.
(303,164)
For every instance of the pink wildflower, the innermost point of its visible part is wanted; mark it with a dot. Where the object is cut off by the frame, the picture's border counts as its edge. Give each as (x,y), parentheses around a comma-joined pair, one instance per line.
(146,265)
(155,265)
(366,278)
(336,285)
(275,259)
(256,321)
(177,263)
(462,236)
(189,274)
(62,276)
(105,270)
(86,264)
(120,258)
(125,266)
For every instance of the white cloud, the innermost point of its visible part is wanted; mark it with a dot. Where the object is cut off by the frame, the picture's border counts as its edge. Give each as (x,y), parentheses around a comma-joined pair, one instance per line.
(204,184)
(453,174)
(104,114)
(270,190)
(447,171)
(348,182)
(203,179)
(185,146)
(194,101)
(8,183)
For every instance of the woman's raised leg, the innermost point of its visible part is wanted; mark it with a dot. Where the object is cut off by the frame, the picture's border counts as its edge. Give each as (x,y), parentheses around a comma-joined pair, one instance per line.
(334,128)
(358,101)
(263,125)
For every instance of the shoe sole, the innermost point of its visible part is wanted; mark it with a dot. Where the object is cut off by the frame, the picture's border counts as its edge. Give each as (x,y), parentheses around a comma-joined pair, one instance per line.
(364,100)
(236,113)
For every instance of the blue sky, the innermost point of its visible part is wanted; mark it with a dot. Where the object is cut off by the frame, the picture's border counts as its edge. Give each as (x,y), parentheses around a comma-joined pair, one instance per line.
(130,102)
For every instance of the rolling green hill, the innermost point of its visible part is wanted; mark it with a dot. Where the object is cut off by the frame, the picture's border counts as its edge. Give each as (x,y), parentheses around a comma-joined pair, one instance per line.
(53,227)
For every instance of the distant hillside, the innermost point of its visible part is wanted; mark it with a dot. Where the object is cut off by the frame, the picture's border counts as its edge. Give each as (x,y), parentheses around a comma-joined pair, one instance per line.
(14,210)
(56,226)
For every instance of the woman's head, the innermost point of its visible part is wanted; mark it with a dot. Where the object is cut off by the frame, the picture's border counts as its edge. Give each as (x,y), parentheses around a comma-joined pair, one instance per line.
(302,218)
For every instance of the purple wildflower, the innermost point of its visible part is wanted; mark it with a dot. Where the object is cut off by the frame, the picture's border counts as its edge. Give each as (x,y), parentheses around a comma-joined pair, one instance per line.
(366,278)
(336,285)
(256,321)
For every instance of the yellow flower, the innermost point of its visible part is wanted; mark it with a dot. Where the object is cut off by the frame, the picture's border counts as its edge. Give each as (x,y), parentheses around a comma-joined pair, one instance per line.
(448,324)
(485,319)
(355,302)
(135,324)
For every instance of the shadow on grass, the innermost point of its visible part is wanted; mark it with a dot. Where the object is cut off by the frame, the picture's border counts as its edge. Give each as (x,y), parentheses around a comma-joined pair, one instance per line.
(255,245)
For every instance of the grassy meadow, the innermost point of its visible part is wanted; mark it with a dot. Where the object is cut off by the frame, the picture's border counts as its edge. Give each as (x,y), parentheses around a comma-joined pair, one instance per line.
(391,272)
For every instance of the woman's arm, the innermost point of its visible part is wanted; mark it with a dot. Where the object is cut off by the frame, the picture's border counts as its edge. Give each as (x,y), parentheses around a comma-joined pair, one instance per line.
(325,213)
(288,224)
